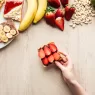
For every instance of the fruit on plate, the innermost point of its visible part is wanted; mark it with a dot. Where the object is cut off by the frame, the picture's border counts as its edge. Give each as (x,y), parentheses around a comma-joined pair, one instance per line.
(93,2)
(60,12)
(41,10)
(64,2)
(60,23)
(29,16)
(69,11)
(50,16)
(7,31)
(54,3)
(13,9)
(1,3)
(49,54)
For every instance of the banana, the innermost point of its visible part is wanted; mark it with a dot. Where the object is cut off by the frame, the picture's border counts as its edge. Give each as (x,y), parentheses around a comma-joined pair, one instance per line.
(9,35)
(29,16)
(13,32)
(6,28)
(4,39)
(42,5)
(2,33)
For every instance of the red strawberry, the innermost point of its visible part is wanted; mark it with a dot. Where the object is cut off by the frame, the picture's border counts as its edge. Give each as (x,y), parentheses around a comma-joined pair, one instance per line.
(45,61)
(69,11)
(52,47)
(54,3)
(64,2)
(50,16)
(56,56)
(41,53)
(60,13)
(51,58)
(47,51)
(60,23)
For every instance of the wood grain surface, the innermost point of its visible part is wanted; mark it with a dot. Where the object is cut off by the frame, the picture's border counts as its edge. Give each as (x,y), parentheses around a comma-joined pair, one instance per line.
(22,73)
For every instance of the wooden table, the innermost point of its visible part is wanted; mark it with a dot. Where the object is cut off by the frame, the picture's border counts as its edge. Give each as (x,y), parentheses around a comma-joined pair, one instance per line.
(22,73)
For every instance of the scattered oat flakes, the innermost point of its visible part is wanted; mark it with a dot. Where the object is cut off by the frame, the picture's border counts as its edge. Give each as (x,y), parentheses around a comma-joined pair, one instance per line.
(83,14)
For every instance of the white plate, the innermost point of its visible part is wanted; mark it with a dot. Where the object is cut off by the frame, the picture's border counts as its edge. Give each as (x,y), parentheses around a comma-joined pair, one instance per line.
(2,45)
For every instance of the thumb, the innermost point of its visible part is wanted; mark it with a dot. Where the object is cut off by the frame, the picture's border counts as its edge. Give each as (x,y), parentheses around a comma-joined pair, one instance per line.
(59,65)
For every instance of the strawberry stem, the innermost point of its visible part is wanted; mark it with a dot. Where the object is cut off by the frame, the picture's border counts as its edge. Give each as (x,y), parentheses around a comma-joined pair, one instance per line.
(50,9)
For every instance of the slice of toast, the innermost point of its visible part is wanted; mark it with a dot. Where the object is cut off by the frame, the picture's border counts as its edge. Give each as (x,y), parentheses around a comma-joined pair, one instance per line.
(7,31)
(13,9)
(1,3)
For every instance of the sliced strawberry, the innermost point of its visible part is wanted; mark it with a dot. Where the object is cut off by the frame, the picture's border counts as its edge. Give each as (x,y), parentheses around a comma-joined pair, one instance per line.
(54,3)
(41,53)
(45,61)
(51,58)
(52,47)
(64,2)
(60,13)
(50,16)
(56,56)
(47,51)
(60,23)
(69,11)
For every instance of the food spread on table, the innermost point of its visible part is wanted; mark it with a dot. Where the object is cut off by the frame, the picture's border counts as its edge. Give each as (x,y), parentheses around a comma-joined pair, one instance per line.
(49,54)
(7,31)
(54,12)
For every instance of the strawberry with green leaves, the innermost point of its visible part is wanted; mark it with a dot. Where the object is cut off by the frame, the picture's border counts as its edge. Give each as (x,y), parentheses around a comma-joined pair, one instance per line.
(50,16)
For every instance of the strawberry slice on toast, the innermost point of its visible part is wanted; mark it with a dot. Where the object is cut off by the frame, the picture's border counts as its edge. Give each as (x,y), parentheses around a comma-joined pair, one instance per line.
(49,54)
(13,9)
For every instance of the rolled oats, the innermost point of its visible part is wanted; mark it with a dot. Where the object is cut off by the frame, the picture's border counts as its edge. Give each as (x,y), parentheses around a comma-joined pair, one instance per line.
(83,13)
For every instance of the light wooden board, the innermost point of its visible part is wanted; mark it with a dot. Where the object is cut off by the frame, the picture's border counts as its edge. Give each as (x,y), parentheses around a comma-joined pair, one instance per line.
(22,73)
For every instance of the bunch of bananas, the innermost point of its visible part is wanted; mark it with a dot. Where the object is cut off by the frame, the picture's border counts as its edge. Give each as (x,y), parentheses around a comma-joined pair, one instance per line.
(35,12)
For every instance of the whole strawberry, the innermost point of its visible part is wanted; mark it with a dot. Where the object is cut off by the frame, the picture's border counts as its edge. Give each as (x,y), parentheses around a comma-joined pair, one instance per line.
(50,16)
(54,3)
(69,11)
(60,12)
(64,2)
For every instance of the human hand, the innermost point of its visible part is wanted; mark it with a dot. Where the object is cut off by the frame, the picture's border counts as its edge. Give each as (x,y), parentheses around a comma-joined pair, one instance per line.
(66,68)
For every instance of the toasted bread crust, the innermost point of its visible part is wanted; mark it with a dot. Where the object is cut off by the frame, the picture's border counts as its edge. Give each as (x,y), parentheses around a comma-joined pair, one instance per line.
(1,3)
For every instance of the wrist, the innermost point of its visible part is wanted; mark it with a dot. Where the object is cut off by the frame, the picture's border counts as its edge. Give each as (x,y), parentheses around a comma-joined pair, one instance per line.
(72,82)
